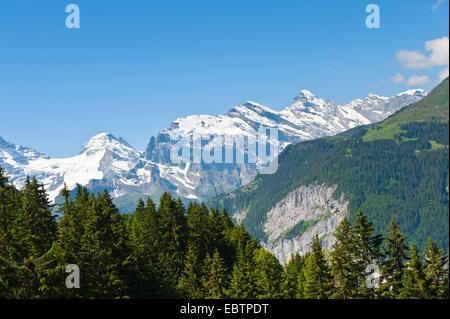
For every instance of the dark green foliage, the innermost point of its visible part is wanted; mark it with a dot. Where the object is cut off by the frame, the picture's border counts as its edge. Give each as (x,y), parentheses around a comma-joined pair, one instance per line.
(190,285)
(293,275)
(27,232)
(173,241)
(395,256)
(414,281)
(199,253)
(151,253)
(367,251)
(344,267)
(318,281)
(215,280)
(243,279)
(144,241)
(268,275)
(436,271)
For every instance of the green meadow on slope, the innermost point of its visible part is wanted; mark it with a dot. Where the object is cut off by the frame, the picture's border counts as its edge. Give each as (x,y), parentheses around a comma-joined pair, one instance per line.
(396,168)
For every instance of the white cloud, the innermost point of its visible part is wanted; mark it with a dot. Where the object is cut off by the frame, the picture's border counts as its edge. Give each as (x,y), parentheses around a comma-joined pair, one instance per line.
(417,80)
(416,60)
(398,78)
(412,59)
(437,4)
(439,51)
(443,74)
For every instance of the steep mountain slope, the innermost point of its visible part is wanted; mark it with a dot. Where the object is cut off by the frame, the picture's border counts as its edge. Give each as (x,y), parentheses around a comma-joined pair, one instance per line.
(397,168)
(111,163)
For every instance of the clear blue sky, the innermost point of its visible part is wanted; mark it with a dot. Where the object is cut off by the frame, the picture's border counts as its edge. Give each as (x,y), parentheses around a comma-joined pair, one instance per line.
(135,66)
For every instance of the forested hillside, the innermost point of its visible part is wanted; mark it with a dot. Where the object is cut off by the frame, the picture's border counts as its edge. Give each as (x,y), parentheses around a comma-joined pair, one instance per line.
(395,169)
(173,252)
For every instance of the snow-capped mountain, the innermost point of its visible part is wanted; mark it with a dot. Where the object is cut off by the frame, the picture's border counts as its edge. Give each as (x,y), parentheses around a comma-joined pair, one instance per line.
(111,163)
(103,157)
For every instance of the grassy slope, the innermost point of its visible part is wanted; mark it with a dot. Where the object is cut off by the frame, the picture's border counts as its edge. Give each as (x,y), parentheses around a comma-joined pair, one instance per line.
(433,107)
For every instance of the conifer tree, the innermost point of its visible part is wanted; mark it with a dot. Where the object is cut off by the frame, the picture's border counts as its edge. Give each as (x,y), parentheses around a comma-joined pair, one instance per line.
(9,207)
(103,255)
(200,238)
(36,224)
(243,283)
(317,274)
(301,281)
(268,275)
(367,251)
(292,271)
(190,285)
(173,236)
(144,243)
(343,266)
(34,234)
(215,277)
(435,271)
(413,281)
(396,253)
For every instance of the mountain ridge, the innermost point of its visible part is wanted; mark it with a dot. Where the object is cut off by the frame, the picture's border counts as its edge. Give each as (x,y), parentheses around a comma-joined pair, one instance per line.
(402,175)
(111,162)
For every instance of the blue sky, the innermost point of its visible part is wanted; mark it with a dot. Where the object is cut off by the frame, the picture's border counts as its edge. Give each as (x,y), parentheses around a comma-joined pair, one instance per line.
(135,66)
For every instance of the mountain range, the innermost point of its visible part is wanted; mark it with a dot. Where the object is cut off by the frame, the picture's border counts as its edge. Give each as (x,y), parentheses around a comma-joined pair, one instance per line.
(397,168)
(110,162)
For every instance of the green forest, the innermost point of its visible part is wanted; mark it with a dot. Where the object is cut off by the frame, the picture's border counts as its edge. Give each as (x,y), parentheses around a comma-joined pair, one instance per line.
(169,251)
(397,169)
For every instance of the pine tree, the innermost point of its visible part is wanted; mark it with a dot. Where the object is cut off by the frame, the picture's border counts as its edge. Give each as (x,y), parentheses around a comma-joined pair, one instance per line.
(301,280)
(103,254)
(343,266)
(190,284)
(435,272)
(317,274)
(396,253)
(413,281)
(9,249)
(268,275)
(37,226)
(367,251)
(292,271)
(200,238)
(144,239)
(34,234)
(215,277)
(71,228)
(243,282)
(173,235)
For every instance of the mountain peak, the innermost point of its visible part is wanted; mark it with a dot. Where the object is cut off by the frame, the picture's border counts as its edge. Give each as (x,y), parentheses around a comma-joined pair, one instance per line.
(413,92)
(305,95)
(103,141)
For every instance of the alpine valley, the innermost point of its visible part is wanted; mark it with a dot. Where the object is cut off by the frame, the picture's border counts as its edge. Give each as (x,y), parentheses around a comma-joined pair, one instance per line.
(108,162)
(397,168)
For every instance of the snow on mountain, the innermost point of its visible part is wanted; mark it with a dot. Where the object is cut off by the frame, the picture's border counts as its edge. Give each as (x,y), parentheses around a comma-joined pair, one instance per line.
(376,108)
(111,163)
(104,156)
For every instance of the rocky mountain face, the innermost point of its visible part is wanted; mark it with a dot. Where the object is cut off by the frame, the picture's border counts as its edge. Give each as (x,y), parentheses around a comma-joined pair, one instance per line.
(111,163)
(304,212)
(396,168)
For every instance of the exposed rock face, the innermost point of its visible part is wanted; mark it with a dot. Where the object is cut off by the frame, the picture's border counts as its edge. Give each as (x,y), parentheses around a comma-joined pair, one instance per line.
(293,222)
